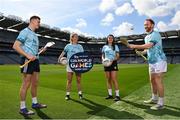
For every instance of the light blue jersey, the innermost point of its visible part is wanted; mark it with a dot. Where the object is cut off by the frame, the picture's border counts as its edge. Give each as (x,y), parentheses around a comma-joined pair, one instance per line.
(109,52)
(71,49)
(29,40)
(155,54)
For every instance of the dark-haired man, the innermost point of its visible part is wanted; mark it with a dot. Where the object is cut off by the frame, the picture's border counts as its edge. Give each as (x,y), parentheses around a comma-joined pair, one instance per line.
(157,63)
(27,45)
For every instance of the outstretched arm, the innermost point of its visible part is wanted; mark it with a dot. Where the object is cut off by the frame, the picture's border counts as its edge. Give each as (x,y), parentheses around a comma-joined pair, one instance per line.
(144,46)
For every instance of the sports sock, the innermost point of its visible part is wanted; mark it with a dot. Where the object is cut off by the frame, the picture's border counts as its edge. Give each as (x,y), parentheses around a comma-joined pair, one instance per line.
(110,92)
(154,96)
(67,93)
(22,104)
(161,101)
(80,92)
(34,100)
(117,92)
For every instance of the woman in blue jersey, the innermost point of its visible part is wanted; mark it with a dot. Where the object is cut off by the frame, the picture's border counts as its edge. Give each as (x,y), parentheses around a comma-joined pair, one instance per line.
(70,49)
(111,51)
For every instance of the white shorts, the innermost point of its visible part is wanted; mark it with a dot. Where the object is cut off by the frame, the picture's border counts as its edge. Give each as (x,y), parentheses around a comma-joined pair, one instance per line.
(68,69)
(159,67)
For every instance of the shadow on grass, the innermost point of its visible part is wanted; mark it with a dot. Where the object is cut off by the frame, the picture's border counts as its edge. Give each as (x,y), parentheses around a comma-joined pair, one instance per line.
(26,116)
(166,111)
(41,114)
(96,109)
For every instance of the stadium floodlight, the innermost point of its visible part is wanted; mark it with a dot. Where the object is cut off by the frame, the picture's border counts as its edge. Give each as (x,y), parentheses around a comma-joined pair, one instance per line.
(13,17)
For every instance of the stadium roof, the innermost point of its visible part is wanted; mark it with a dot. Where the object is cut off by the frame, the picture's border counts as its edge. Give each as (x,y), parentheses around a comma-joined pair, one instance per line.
(15,23)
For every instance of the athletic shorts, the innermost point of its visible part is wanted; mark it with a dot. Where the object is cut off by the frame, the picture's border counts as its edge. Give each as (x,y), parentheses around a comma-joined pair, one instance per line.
(113,67)
(33,66)
(68,69)
(159,67)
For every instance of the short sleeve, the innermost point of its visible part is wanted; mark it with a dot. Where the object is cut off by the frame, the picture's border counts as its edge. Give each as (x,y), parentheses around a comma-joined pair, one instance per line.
(66,48)
(22,36)
(81,48)
(103,49)
(154,38)
(116,48)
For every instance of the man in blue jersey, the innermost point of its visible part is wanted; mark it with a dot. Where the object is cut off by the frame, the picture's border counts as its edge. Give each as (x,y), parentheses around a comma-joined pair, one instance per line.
(157,63)
(27,45)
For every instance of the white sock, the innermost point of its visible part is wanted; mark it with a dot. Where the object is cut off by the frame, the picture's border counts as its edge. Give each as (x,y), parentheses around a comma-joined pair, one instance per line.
(22,104)
(80,92)
(110,92)
(154,96)
(67,93)
(34,100)
(117,92)
(161,101)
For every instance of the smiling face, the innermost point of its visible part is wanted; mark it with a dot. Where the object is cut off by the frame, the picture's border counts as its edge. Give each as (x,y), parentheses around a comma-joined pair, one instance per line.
(110,39)
(74,38)
(148,26)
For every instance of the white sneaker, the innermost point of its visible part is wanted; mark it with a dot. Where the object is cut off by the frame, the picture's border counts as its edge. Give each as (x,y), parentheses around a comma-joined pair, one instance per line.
(67,97)
(151,101)
(157,107)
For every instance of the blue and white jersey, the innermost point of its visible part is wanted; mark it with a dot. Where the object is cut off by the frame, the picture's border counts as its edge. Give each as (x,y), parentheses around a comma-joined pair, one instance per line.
(155,54)
(71,49)
(109,52)
(29,40)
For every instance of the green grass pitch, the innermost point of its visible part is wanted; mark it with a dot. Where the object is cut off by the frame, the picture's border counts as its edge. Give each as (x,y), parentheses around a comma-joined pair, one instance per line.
(51,91)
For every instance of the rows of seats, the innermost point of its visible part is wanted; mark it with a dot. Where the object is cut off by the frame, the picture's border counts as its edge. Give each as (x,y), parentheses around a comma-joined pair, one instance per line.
(9,56)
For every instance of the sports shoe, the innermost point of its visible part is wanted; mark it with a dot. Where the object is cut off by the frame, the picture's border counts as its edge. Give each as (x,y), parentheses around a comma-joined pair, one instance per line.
(25,111)
(117,98)
(109,97)
(150,101)
(38,106)
(67,97)
(80,96)
(157,107)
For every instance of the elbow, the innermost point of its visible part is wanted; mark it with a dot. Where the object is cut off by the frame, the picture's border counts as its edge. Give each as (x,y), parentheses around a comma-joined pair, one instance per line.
(14,47)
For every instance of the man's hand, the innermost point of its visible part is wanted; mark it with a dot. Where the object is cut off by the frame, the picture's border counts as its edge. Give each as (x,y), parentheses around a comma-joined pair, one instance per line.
(31,57)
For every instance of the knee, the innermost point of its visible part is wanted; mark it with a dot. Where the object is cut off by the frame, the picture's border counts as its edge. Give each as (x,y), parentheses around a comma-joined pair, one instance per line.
(69,82)
(109,80)
(34,84)
(79,81)
(26,84)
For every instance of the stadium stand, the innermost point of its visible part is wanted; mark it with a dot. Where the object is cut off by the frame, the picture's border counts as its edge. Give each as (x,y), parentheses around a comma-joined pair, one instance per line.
(11,25)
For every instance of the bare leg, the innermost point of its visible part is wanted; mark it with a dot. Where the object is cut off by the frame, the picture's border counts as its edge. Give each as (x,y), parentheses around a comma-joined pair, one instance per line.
(69,81)
(25,85)
(78,79)
(34,84)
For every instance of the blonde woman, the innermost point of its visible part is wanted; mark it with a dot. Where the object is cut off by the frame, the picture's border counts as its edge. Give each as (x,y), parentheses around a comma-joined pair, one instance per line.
(70,49)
